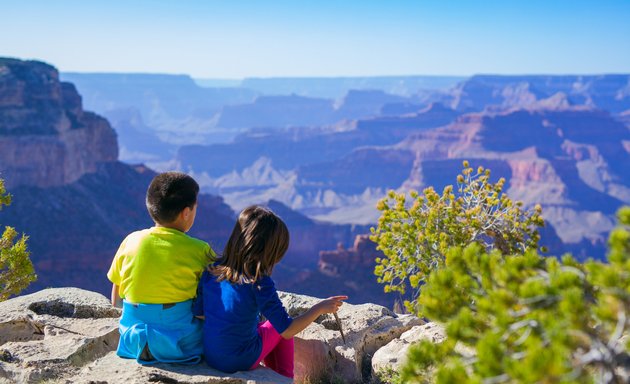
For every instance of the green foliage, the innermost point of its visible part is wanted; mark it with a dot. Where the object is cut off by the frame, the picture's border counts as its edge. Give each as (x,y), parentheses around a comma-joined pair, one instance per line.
(415,232)
(527,318)
(387,376)
(16,269)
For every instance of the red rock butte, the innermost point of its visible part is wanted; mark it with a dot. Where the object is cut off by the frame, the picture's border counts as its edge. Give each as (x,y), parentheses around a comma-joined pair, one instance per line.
(46,138)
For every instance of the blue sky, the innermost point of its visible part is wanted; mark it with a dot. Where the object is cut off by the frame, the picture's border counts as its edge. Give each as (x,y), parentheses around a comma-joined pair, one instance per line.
(235,39)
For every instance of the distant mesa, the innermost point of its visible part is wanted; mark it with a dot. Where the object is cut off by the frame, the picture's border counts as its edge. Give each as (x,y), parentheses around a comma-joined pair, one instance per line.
(344,261)
(46,138)
(608,92)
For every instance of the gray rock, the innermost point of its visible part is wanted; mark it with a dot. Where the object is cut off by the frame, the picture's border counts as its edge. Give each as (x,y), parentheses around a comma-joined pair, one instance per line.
(61,302)
(69,335)
(111,369)
(392,355)
(49,334)
(321,354)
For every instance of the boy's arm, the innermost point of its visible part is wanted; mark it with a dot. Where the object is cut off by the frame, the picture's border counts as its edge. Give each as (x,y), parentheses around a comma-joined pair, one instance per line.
(116,299)
(197,305)
(114,275)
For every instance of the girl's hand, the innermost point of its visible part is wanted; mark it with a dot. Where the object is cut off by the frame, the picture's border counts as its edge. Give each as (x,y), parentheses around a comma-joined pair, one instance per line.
(331,304)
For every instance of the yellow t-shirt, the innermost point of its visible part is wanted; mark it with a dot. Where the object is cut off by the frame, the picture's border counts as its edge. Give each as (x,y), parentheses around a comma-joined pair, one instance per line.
(159,265)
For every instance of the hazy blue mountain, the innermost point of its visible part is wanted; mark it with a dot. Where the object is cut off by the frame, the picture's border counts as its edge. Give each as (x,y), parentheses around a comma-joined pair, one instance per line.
(173,107)
(357,104)
(336,87)
(218,83)
(154,95)
(607,92)
(294,147)
(138,143)
(277,111)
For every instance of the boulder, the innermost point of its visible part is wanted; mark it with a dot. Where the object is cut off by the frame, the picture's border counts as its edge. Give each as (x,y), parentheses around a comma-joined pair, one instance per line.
(321,355)
(393,355)
(48,334)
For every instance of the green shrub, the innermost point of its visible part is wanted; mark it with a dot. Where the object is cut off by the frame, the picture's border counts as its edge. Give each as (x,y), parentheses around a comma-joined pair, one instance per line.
(16,269)
(528,319)
(415,233)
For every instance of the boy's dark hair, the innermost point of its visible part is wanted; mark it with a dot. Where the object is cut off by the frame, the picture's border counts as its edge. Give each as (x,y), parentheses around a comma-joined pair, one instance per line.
(258,242)
(168,194)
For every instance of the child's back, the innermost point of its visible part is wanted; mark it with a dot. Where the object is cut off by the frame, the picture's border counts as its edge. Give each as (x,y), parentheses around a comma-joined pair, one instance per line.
(238,288)
(231,342)
(156,271)
(159,265)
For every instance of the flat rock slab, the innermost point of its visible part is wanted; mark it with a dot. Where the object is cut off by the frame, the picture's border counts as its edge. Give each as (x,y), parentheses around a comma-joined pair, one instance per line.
(60,302)
(112,369)
(52,333)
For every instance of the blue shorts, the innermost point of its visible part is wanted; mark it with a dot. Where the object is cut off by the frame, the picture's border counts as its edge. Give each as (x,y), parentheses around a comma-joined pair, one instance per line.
(170,332)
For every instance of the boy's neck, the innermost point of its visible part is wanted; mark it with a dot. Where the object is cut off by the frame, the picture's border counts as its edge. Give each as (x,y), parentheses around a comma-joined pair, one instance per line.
(177,226)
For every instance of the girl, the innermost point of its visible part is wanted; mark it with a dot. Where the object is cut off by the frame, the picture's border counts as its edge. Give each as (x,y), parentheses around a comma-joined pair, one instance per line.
(235,290)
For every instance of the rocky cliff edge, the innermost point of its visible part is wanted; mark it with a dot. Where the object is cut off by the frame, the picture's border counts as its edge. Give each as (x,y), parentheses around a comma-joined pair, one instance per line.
(69,335)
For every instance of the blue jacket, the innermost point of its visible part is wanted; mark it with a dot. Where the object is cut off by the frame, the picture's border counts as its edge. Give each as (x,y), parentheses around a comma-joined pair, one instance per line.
(230,338)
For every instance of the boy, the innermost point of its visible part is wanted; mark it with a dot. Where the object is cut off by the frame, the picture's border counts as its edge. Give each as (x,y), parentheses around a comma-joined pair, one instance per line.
(155,274)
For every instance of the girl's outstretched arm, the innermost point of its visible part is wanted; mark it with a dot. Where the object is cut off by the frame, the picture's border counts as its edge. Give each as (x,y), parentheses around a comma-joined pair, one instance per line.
(329,305)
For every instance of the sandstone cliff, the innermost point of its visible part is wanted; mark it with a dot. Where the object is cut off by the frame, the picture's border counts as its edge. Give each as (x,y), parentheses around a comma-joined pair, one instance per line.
(46,139)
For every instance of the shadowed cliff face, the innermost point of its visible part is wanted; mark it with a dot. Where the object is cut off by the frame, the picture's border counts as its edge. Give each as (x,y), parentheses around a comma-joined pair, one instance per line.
(46,139)
(75,229)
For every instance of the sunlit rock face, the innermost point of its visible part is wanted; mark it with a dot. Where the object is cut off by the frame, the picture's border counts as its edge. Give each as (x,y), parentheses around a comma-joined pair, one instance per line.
(46,138)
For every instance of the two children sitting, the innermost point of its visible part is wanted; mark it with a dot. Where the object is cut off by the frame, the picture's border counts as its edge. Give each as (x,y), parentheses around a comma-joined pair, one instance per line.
(181,303)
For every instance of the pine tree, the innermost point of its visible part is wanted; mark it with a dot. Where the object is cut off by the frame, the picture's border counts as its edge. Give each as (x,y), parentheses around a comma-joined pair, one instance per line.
(16,269)
(525,318)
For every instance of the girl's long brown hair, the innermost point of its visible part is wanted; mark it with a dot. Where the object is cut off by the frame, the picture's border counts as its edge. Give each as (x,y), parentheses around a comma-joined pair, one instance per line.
(258,242)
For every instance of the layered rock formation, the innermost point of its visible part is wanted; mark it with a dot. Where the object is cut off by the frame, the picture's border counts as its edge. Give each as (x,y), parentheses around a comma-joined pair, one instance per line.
(607,92)
(362,255)
(77,205)
(571,159)
(68,335)
(70,195)
(46,139)
(572,162)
